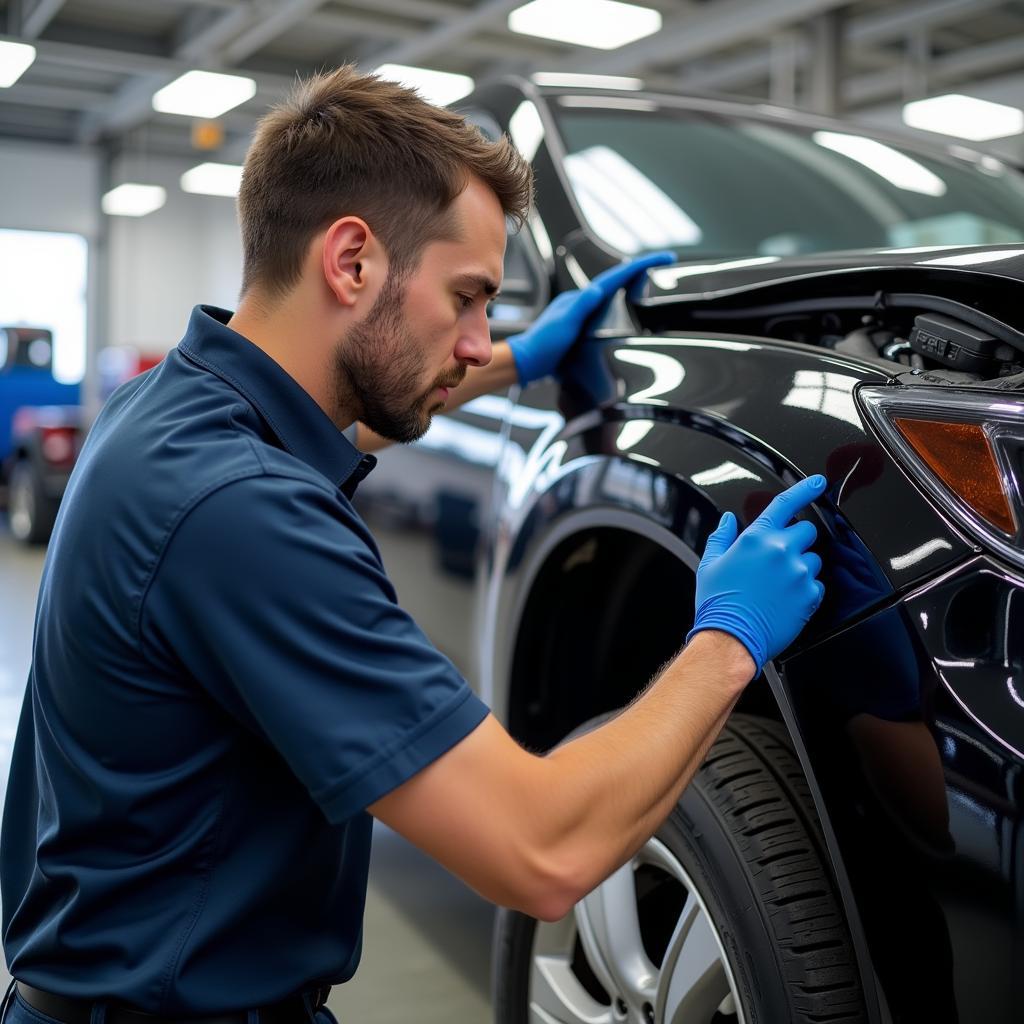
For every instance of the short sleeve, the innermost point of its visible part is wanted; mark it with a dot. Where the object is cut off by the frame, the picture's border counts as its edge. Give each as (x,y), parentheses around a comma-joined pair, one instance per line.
(271,596)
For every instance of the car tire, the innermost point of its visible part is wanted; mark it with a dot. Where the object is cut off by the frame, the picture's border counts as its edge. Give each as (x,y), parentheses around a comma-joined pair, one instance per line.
(735,914)
(31,513)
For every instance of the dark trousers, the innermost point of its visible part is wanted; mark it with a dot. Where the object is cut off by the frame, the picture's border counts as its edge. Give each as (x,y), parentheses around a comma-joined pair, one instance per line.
(17,1011)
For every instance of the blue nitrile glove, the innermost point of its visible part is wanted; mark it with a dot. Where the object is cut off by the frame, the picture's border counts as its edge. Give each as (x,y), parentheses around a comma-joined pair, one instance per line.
(538,350)
(761,587)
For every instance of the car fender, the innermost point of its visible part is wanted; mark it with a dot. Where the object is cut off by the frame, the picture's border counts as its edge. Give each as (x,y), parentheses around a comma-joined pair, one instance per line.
(663,458)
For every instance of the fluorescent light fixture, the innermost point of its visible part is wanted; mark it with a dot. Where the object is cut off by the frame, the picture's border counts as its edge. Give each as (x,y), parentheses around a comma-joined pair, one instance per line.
(897,168)
(964,116)
(438,87)
(14,60)
(602,24)
(213,179)
(573,81)
(131,200)
(203,94)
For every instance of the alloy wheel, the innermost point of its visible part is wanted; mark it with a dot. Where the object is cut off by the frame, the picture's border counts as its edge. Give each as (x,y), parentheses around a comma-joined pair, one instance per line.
(640,949)
(21,510)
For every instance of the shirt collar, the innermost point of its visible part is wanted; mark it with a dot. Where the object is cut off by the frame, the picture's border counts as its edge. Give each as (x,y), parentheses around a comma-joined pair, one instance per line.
(298,423)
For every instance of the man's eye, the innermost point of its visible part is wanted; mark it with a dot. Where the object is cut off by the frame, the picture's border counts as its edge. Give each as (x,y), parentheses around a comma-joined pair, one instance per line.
(466,300)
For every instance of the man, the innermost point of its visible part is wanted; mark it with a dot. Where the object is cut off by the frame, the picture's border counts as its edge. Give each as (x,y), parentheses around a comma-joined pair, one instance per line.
(224,689)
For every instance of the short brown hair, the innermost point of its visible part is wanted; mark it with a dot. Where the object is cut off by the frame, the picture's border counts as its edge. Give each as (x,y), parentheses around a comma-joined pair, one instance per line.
(346,143)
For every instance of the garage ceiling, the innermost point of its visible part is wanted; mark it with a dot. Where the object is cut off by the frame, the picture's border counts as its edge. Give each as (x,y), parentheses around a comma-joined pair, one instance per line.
(100,61)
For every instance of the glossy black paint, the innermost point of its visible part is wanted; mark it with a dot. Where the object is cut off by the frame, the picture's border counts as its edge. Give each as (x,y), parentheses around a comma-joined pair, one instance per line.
(905,694)
(912,722)
(940,264)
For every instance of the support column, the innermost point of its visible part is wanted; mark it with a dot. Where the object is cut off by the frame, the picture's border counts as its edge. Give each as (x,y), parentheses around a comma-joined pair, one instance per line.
(826,63)
(919,56)
(97,331)
(783,68)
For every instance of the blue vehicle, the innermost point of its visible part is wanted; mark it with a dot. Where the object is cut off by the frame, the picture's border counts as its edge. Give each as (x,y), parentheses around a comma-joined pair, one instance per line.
(40,432)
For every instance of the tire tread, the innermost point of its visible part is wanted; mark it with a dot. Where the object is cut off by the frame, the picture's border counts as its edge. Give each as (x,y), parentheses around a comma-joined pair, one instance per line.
(774,825)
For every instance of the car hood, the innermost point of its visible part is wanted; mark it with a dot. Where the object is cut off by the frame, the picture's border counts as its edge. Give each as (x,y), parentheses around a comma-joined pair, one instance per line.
(701,280)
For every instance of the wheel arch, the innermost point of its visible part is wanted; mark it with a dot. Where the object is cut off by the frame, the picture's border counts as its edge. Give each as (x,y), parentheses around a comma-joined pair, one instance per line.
(622,546)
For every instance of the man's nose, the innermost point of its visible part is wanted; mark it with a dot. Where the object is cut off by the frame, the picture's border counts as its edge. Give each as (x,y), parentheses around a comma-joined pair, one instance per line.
(474,345)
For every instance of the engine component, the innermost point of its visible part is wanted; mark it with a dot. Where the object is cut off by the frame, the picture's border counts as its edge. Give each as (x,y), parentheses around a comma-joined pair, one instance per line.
(958,345)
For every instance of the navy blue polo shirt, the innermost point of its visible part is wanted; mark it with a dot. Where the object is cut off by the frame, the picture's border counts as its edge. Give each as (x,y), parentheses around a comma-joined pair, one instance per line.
(222,681)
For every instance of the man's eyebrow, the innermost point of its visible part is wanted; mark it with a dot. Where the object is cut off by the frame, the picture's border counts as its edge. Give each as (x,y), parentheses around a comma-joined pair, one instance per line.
(479,281)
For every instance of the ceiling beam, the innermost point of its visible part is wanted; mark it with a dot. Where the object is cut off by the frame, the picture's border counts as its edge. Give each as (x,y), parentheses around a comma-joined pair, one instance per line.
(704,30)
(958,66)
(200,38)
(865,30)
(504,46)
(201,31)
(101,58)
(273,21)
(447,33)
(36,19)
(58,97)
(420,10)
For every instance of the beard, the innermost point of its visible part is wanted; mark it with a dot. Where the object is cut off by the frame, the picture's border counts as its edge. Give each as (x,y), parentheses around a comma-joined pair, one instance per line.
(377,368)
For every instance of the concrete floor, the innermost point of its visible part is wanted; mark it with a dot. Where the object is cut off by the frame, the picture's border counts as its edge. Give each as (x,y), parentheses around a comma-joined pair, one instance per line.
(427,937)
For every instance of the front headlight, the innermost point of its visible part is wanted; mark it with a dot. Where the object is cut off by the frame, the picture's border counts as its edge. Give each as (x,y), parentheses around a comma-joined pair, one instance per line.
(966,448)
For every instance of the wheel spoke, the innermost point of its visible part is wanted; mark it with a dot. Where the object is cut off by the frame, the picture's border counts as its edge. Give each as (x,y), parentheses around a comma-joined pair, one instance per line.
(557,997)
(609,927)
(694,981)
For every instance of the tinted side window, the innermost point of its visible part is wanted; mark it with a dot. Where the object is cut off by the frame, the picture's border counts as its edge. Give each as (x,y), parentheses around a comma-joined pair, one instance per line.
(523,290)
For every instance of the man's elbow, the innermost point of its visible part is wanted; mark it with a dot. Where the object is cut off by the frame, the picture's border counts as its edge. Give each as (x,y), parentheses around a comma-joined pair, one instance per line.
(550,888)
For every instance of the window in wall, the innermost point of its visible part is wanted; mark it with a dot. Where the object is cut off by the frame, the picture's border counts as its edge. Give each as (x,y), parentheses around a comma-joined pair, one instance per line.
(43,284)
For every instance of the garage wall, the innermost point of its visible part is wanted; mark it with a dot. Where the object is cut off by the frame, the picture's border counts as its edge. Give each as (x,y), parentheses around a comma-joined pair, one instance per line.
(48,188)
(163,264)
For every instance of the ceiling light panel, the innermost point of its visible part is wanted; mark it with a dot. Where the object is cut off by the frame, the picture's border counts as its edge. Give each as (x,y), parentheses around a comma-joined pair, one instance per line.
(15,59)
(204,94)
(438,87)
(133,200)
(601,24)
(212,179)
(966,117)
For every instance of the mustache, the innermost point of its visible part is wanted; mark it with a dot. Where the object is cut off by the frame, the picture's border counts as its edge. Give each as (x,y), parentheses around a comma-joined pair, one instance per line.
(453,380)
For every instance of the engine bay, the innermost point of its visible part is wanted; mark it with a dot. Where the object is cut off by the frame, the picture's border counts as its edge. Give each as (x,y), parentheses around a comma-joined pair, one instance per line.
(956,338)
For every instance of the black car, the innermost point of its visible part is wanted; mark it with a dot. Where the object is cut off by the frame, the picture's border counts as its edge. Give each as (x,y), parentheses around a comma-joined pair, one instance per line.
(845,303)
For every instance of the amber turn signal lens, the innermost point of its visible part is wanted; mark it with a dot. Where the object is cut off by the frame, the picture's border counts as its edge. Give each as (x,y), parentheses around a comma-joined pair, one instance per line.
(961,456)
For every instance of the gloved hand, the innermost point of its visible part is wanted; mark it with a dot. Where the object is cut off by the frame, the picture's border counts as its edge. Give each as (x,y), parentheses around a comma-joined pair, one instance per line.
(538,350)
(761,587)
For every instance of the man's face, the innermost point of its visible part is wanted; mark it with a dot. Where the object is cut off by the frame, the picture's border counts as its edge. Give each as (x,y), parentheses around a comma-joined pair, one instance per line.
(393,369)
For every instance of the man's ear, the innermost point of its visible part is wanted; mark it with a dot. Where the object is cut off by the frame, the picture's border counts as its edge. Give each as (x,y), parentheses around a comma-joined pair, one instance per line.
(352,260)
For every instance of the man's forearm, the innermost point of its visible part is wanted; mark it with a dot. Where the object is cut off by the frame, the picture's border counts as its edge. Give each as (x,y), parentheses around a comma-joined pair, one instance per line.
(539,832)
(497,375)
(612,788)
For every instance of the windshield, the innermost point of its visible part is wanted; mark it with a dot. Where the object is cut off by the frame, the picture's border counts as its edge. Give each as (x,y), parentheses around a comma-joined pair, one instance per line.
(713,186)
